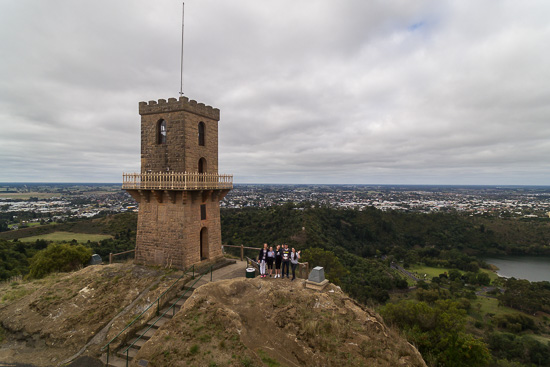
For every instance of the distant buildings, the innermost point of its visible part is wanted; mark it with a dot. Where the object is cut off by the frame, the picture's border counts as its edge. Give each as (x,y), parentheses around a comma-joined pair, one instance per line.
(85,204)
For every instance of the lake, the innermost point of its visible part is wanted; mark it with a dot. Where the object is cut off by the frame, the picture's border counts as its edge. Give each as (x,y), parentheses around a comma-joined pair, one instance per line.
(532,268)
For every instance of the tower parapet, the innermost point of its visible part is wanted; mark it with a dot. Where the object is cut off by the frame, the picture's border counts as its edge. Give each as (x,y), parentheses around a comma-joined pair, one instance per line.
(181,104)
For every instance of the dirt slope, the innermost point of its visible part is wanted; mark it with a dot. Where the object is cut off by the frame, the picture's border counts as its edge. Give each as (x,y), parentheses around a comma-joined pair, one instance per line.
(258,322)
(47,321)
(239,322)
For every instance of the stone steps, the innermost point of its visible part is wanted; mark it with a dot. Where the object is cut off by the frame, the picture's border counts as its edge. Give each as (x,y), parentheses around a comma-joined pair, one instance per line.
(114,361)
(118,359)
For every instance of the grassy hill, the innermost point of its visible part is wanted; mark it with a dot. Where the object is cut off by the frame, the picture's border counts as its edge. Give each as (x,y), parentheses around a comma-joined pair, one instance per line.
(49,320)
(238,322)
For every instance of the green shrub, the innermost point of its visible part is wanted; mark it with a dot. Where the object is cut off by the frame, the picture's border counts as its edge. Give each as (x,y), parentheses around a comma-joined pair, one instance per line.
(58,257)
(194,349)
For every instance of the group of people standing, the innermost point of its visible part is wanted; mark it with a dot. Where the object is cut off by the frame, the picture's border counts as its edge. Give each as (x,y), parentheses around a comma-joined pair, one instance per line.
(281,256)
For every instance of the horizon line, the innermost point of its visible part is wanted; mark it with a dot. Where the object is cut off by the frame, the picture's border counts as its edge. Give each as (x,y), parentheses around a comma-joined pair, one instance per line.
(282,184)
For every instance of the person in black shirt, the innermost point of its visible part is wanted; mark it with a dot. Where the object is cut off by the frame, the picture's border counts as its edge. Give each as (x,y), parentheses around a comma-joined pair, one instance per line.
(270,260)
(278,259)
(286,260)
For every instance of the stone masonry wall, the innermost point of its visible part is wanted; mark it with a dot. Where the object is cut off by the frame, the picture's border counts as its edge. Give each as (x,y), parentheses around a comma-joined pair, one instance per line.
(182,152)
(169,233)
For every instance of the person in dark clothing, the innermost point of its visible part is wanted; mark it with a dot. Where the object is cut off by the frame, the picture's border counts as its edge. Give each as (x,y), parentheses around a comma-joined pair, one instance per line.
(278,259)
(270,260)
(294,257)
(262,259)
(286,260)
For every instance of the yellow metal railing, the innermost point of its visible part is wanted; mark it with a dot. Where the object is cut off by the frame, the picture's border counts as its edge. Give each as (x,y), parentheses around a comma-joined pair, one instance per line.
(176,181)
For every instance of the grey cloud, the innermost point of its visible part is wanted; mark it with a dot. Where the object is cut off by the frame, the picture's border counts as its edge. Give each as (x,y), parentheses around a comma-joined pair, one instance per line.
(310,91)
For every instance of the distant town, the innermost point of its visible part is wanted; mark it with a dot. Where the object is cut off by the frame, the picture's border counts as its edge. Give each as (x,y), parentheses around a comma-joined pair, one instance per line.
(27,204)
(531,201)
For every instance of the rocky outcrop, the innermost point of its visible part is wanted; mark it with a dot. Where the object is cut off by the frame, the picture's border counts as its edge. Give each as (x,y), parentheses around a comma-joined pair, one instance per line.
(275,322)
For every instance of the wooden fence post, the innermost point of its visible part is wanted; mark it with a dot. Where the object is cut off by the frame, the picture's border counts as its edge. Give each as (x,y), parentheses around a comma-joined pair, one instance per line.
(242,252)
(110,258)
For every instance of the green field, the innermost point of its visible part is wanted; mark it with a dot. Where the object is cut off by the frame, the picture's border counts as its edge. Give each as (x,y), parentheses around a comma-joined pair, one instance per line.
(27,195)
(67,236)
(490,305)
(431,272)
(32,224)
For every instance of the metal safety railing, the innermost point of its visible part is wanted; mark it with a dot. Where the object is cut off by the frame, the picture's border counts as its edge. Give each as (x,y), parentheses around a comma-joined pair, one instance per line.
(303,268)
(242,247)
(172,307)
(157,302)
(176,181)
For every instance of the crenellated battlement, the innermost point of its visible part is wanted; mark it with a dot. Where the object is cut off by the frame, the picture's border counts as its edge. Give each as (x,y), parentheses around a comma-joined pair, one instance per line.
(181,104)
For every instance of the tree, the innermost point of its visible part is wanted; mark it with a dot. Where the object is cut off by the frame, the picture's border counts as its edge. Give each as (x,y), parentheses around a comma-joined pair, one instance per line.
(438,331)
(333,268)
(3,226)
(58,258)
(454,274)
(483,278)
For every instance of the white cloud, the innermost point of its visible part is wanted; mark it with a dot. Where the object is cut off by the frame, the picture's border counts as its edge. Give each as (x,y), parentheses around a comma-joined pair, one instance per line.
(310,91)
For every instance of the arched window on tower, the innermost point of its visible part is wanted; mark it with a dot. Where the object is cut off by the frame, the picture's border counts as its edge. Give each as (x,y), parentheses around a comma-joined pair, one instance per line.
(161,132)
(201,134)
(202,165)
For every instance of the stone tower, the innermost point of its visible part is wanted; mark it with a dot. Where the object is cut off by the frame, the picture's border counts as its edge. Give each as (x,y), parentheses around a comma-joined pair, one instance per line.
(179,188)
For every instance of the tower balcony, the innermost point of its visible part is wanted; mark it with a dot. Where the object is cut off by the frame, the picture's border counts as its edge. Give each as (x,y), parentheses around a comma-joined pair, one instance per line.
(176,181)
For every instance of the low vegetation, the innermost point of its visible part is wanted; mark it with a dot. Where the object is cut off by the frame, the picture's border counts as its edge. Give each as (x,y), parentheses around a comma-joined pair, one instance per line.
(52,318)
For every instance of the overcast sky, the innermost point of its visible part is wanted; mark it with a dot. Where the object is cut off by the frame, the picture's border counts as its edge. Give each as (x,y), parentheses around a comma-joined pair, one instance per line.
(311,91)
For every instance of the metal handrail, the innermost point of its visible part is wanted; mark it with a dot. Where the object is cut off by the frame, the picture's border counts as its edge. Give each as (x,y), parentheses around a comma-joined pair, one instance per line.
(242,247)
(172,307)
(252,262)
(157,301)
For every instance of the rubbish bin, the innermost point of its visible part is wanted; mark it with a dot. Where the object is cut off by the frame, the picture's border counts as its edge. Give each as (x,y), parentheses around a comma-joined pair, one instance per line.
(95,260)
(250,272)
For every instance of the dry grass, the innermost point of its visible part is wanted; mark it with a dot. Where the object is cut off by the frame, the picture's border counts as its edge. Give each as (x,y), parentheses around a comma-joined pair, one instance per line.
(259,322)
(66,309)
(67,237)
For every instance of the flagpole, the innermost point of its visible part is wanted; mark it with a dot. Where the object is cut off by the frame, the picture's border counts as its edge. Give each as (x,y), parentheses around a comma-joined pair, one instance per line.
(181,59)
